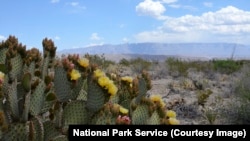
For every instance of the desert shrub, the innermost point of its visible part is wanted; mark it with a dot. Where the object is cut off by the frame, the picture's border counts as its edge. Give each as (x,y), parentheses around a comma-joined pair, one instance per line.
(100,60)
(238,109)
(159,70)
(202,96)
(236,112)
(210,115)
(138,65)
(182,67)
(227,66)
(176,65)
(124,62)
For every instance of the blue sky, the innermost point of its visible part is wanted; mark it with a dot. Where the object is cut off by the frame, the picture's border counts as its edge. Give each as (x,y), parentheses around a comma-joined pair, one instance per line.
(81,23)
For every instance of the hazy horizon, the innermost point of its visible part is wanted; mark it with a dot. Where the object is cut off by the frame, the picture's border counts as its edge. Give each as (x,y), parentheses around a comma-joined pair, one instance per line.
(74,24)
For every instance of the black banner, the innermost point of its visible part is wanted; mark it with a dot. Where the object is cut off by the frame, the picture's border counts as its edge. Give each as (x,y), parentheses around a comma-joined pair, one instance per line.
(167,131)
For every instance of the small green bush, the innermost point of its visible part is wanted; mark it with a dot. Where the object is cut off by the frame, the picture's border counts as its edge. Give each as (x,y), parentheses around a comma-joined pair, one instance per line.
(177,65)
(124,62)
(227,66)
(139,64)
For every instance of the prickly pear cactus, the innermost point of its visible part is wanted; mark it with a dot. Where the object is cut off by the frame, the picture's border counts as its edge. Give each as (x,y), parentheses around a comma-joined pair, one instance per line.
(18,131)
(75,113)
(41,94)
(62,85)
(140,114)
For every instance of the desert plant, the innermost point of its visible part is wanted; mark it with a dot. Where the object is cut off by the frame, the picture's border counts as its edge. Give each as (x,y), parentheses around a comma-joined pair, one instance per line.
(202,96)
(176,65)
(124,62)
(138,65)
(227,66)
(210,115)
(182,66)
(41,95)
(238,111)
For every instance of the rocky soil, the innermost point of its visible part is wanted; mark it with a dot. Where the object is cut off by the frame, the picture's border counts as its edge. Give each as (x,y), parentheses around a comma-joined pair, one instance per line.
(181,93)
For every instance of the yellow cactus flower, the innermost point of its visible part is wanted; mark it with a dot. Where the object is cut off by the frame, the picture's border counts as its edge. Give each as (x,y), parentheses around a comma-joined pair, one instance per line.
(112,89)
(103,81)
(173,121)
(74,74)
(84,62)
(108,84)
(162,103)
(98,73)
(127,78)
(123,110)
(157,99)
(1,77)
(171,114)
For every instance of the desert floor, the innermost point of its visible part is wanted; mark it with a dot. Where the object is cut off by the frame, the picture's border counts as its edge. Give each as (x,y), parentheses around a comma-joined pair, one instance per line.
(180,93)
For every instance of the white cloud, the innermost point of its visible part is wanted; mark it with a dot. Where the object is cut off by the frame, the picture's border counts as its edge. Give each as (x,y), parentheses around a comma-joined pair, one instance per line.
(76,7)
(94,44)
(175,5)
(125,40)
(74,4)
(2,38)
(226,24)
(208,4)
(57,38)
(186,7)
(55,1)
(168,1)
(95,36)
(151,8)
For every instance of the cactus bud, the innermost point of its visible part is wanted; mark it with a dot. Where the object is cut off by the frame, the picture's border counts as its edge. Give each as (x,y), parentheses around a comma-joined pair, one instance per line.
(26,82)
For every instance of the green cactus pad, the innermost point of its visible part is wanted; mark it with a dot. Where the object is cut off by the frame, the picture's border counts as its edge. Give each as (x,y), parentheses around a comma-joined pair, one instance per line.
(62,85)
(95,97)
(37,99)
(31,68)
(12,99)
(26,82)
(45,66)
(17,132)
(51,97)
(125,99)
(142,89)
(82,95)
(60,138)
(140,114)
(47,105)
(114,99)
(16,67)
(104,118)
(75,113)
(3,55)
(77,89)
(50,131)
(154,119)
(38,129)
(26,107)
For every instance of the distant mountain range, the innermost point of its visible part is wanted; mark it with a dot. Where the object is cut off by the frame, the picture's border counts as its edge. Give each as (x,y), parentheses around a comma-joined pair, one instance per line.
(191,50)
